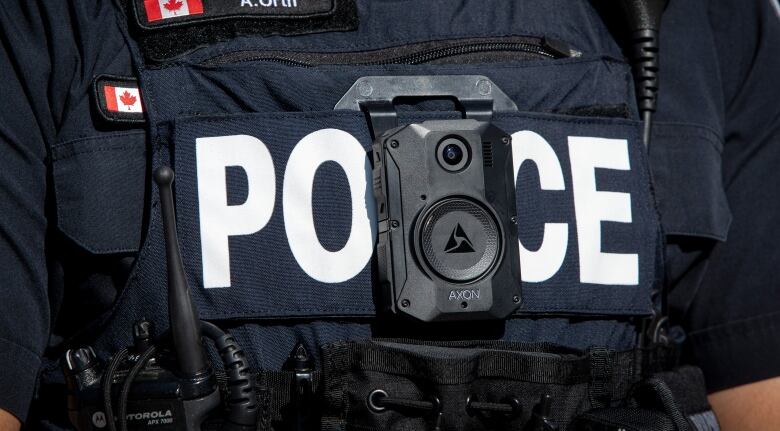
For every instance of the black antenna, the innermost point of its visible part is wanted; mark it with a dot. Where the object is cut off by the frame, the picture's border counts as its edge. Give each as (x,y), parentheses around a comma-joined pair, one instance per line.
(185,325)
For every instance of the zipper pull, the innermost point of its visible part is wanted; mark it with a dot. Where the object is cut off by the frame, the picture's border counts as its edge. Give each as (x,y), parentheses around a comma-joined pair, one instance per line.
(559,48)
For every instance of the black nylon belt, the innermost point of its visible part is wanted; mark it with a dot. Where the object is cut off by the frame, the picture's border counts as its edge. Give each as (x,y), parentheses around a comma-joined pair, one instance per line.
(554,365)
(349,369)
(492,371)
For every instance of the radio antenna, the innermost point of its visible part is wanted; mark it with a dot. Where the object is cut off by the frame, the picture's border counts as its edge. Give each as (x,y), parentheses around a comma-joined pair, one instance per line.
(184,322)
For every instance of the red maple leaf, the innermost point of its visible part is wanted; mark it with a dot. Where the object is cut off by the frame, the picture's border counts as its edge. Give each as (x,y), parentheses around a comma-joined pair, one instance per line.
(173,5)
(127,98)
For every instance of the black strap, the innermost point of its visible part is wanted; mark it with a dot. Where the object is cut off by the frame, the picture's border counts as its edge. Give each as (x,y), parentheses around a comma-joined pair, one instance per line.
(608,375)
(276,398)
(600,376)
(515,361)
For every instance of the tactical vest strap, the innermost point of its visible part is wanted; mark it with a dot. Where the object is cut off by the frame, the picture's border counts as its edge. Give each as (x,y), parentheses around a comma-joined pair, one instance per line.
(278,403)
(601,368)
(532,362)
(673,400)
(445,377)
(479,385)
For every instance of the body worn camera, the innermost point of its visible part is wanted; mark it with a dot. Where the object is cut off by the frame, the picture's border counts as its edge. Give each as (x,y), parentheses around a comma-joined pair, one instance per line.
(447,243)
(447,236)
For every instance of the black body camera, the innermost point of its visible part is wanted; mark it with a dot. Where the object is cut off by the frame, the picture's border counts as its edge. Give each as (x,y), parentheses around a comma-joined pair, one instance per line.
(447,239)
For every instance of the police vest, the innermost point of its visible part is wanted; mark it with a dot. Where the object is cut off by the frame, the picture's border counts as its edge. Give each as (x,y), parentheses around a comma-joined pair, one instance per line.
(277,223)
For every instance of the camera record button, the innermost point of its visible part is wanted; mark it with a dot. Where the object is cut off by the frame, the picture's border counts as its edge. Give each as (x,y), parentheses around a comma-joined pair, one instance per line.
(460,240)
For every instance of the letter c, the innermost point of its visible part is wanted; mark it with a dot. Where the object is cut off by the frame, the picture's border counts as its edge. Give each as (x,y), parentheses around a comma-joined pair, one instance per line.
(540,265)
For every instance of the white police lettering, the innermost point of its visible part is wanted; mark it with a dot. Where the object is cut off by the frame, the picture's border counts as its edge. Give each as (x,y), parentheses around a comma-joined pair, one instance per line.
(540,265)
(591,207)
(218,220)
(311,152)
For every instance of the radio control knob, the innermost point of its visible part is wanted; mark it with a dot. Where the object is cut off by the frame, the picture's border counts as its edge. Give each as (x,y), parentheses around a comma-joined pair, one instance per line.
(143,332)
(78,360)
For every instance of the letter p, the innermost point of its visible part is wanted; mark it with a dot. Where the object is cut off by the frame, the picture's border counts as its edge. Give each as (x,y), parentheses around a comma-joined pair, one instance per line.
(218,220)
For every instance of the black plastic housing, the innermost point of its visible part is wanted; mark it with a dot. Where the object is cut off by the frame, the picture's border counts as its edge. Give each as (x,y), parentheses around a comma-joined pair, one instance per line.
(435,219)
(156,399)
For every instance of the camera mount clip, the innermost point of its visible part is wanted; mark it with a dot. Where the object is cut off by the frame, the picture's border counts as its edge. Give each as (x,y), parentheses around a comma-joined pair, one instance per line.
(375,95)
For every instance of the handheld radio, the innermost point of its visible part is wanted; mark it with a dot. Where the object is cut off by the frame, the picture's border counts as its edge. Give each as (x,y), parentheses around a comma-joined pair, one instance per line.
(157,385)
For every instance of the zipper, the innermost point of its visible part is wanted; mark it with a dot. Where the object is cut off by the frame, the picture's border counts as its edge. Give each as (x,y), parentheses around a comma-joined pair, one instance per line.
(489,49)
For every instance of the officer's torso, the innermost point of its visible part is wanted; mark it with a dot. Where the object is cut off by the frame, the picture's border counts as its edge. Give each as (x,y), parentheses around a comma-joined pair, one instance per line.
(276,218)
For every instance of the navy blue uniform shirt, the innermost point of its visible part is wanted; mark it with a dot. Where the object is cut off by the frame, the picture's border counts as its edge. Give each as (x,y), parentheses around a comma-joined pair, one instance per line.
(51,289)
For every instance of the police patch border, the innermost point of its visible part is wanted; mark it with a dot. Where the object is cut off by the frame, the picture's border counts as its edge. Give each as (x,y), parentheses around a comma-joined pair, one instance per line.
(100,102)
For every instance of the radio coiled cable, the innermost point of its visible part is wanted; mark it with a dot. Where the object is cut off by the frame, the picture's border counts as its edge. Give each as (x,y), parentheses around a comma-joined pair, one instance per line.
(242,402)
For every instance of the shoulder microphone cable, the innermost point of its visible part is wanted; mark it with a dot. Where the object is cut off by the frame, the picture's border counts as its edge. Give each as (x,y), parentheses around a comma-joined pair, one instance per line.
(643,18)
(644,22)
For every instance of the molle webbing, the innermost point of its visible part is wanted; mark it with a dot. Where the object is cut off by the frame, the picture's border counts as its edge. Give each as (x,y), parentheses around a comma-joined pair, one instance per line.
(489,373)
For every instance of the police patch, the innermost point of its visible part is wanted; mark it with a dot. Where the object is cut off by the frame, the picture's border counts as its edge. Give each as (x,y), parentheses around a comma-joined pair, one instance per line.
(277,218)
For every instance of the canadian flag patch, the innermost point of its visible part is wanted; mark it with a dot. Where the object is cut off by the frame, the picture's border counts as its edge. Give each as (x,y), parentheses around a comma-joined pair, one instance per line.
(122,99)
(118,99)
(163,9)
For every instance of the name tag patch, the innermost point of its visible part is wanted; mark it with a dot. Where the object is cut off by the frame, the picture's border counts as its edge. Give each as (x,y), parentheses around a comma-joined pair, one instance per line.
(158,13)
(277,216)
(169,28)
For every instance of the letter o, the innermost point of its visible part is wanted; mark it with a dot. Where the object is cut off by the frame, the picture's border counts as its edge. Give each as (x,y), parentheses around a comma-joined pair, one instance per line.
(311,152)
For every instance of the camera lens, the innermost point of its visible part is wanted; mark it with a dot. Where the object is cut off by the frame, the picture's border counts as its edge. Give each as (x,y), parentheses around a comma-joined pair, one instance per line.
(453,154)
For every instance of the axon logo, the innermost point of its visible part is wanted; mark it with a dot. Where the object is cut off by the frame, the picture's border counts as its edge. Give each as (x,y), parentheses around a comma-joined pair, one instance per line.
(459,242)
(220,221)
(464,295)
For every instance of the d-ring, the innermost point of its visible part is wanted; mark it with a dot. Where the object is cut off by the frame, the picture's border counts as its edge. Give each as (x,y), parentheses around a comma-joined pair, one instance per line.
(373,400)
